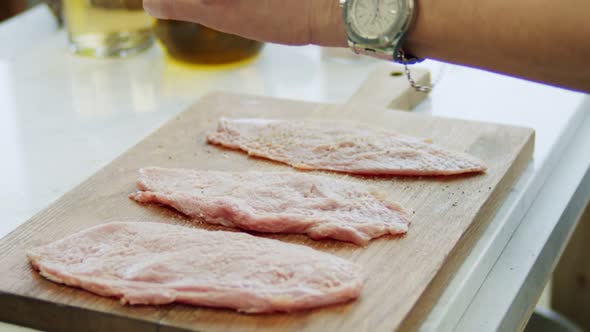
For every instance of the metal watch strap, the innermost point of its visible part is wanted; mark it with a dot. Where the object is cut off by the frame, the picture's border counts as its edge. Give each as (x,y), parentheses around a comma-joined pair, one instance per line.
(365,50)
(402,57)
(407,61)
(398,56)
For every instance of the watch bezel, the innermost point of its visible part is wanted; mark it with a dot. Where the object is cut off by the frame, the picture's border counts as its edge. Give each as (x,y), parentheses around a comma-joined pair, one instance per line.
(391,36)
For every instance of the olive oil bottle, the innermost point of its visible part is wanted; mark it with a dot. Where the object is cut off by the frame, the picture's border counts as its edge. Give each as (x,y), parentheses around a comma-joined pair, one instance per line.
(196,44)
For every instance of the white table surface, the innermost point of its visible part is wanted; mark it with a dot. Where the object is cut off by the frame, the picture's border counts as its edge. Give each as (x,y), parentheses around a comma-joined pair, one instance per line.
(64,117)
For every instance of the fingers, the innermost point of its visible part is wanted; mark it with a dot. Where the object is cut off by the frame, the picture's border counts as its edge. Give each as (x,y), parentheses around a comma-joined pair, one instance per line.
(292,22)
(185,10)
(280,21)
(216,14)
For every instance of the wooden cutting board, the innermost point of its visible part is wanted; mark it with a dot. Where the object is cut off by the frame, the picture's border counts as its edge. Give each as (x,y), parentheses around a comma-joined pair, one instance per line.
(404,276)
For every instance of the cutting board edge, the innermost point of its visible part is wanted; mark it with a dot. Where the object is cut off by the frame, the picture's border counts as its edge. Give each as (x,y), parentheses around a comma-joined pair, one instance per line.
(78,321)
(467,241)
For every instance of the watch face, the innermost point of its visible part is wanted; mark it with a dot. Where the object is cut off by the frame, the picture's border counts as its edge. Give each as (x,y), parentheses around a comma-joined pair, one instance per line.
(372,19)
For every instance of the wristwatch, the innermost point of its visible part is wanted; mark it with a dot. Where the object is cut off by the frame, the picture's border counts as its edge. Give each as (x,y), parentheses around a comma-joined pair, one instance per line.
(378,27)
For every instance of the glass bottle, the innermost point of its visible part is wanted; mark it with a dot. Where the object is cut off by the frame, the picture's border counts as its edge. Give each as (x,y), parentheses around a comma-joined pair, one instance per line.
(196,44)
(108,28)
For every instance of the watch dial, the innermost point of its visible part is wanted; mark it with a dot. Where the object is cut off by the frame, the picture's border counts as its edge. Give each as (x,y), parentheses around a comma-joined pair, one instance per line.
(373,18)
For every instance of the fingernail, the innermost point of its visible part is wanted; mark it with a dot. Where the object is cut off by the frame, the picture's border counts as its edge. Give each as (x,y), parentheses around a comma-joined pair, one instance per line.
(154,8)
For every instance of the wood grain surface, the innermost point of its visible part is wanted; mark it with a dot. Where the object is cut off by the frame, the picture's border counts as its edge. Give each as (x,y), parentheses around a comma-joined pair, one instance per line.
(403,276)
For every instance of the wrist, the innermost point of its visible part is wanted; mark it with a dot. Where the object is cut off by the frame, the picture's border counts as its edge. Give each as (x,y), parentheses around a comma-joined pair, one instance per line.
(416,38)
(327,26)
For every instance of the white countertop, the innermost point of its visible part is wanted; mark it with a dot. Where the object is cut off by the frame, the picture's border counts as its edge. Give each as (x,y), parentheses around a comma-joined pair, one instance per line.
(63,117)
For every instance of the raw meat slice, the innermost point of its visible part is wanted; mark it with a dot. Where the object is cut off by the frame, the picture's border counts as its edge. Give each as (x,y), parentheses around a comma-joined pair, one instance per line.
(154,263)
(340,147)
(276,202)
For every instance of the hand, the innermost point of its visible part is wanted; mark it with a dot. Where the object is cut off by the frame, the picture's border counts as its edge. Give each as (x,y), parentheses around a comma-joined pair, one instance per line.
(292,22)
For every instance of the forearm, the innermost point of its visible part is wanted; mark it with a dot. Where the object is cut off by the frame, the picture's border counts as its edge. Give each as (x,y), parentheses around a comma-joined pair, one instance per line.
(541,40)
(11,7)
